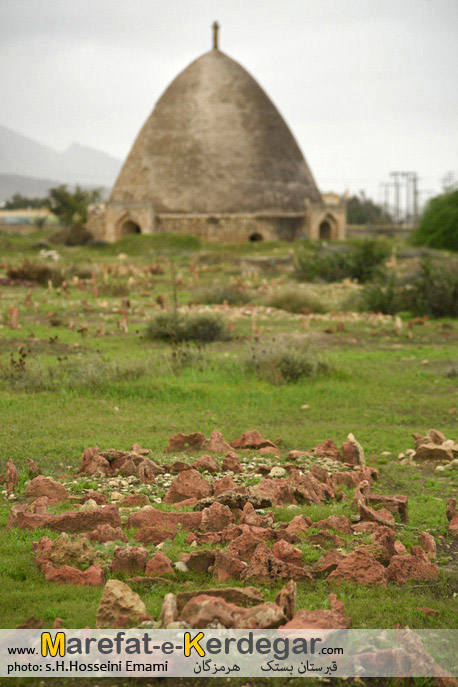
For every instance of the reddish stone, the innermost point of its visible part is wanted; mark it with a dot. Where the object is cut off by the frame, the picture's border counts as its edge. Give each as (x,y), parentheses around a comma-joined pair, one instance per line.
(278,491)
(100,499)
(104,533)
(270,449)
(188,484)
(153,517)
(264,616)
(206,463)
(31,623)
(216,518)
(154,535)
(182,442)
(339,523)
(328,562)
(227,566)
(135,500)
(453,527)
(244,545)
(128,469)
(67,574)
(178,466)
(318,620)
(45,486)
(350,454)
(199,561)
(351,479)
(361,494)
(203,610)
(241,596)
(11,476)
(428,544)
(58,623)
(33,468)
(415,565)
(231,463)
(382,516)
(216,443)
(400,549)
(286,599)
(366,527)
(319,472)
(359,567)
(265,567)
(252,440)
(299,525)
(387,538)
(147,471)
(395,504)
(250,517)
(159,565)
(129,559)
(309,489)
(71,521)
(335,604)
(39,505)
(450,509)
(187,503)
(287,552)
(327,448)
(428,611)
(326,539)
(226,483)
(92,462)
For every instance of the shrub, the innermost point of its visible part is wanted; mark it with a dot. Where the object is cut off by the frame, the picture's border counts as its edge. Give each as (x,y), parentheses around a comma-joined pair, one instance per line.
(176,327)
(385,297)
(360,259)
(73,236)
(35,271)
(295,299)
(220,293)
(283,361)
(439,224)
(434,291)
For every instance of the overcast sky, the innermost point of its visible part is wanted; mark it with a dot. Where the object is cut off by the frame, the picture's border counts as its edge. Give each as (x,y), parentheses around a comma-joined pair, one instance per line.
(367,86)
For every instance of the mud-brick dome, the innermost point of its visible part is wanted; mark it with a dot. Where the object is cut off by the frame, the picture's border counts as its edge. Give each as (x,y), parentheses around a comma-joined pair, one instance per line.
(215,143)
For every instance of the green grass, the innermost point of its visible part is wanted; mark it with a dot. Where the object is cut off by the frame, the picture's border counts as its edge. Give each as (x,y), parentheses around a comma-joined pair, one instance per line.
(88,380)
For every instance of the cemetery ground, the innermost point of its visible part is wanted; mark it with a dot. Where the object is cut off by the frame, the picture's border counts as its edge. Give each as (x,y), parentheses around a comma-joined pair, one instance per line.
(78,370)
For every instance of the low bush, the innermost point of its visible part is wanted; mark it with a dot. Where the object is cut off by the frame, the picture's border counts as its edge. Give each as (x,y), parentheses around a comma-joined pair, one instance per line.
(37,272)
(295,299)
(361,259)
(175,327)
(222,293)
(434,291)
(387,297)
(282,361)
(72,236)
(439,224)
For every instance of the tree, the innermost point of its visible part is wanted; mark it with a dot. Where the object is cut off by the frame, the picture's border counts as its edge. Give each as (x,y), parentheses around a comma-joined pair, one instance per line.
(362,210)
(438,227)
(70,207)
(19,202)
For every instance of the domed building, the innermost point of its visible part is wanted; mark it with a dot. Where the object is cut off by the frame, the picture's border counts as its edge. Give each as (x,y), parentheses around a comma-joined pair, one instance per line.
(216,159)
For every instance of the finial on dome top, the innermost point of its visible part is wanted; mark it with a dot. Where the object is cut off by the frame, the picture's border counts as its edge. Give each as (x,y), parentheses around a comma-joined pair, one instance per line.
(215,27)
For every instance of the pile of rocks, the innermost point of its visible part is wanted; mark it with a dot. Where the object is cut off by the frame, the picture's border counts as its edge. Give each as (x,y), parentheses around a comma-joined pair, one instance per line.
(434,447)
(232,531)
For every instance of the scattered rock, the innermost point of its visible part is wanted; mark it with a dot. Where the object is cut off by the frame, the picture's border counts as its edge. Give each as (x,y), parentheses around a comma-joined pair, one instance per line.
(169,610)
(226,566)
(286,599)
(206,463)
(328,562)
(181,442)
(129,559)
(450,509)
(241,596)
(216,518)
(265,567)
(352,451)
(188,484)
(428,544)
(118,598)
(33,469)
(67,574)
(135,500)
(153,517)
(231,463)
(431,451)
(415,565)
(278,491)
(159,565)
(360,567)
(381,517)
(31,623)
(339,523)
(105,533)
(77,552)
(252,440)
(216,443)
(70,521)
(287,553)
(11,476)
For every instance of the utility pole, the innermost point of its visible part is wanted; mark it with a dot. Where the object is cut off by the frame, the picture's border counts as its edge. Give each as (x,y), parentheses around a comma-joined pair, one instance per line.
(411,180)
(396,176)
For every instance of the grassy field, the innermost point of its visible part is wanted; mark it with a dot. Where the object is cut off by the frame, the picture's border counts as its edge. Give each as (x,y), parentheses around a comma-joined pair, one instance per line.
(79,371)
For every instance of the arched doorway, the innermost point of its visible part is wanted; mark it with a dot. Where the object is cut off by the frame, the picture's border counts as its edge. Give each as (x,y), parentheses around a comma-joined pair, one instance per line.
(256,236)
(325,230)
(130,227)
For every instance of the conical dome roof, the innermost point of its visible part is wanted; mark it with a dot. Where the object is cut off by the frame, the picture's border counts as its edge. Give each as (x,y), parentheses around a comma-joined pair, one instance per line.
(215,143)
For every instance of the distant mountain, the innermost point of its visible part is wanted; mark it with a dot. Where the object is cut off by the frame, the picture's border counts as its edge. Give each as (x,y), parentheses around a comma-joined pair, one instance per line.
(31,186)
(27,160)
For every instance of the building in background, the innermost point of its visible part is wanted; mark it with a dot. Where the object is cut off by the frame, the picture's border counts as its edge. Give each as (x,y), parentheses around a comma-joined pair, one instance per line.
(216,159)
